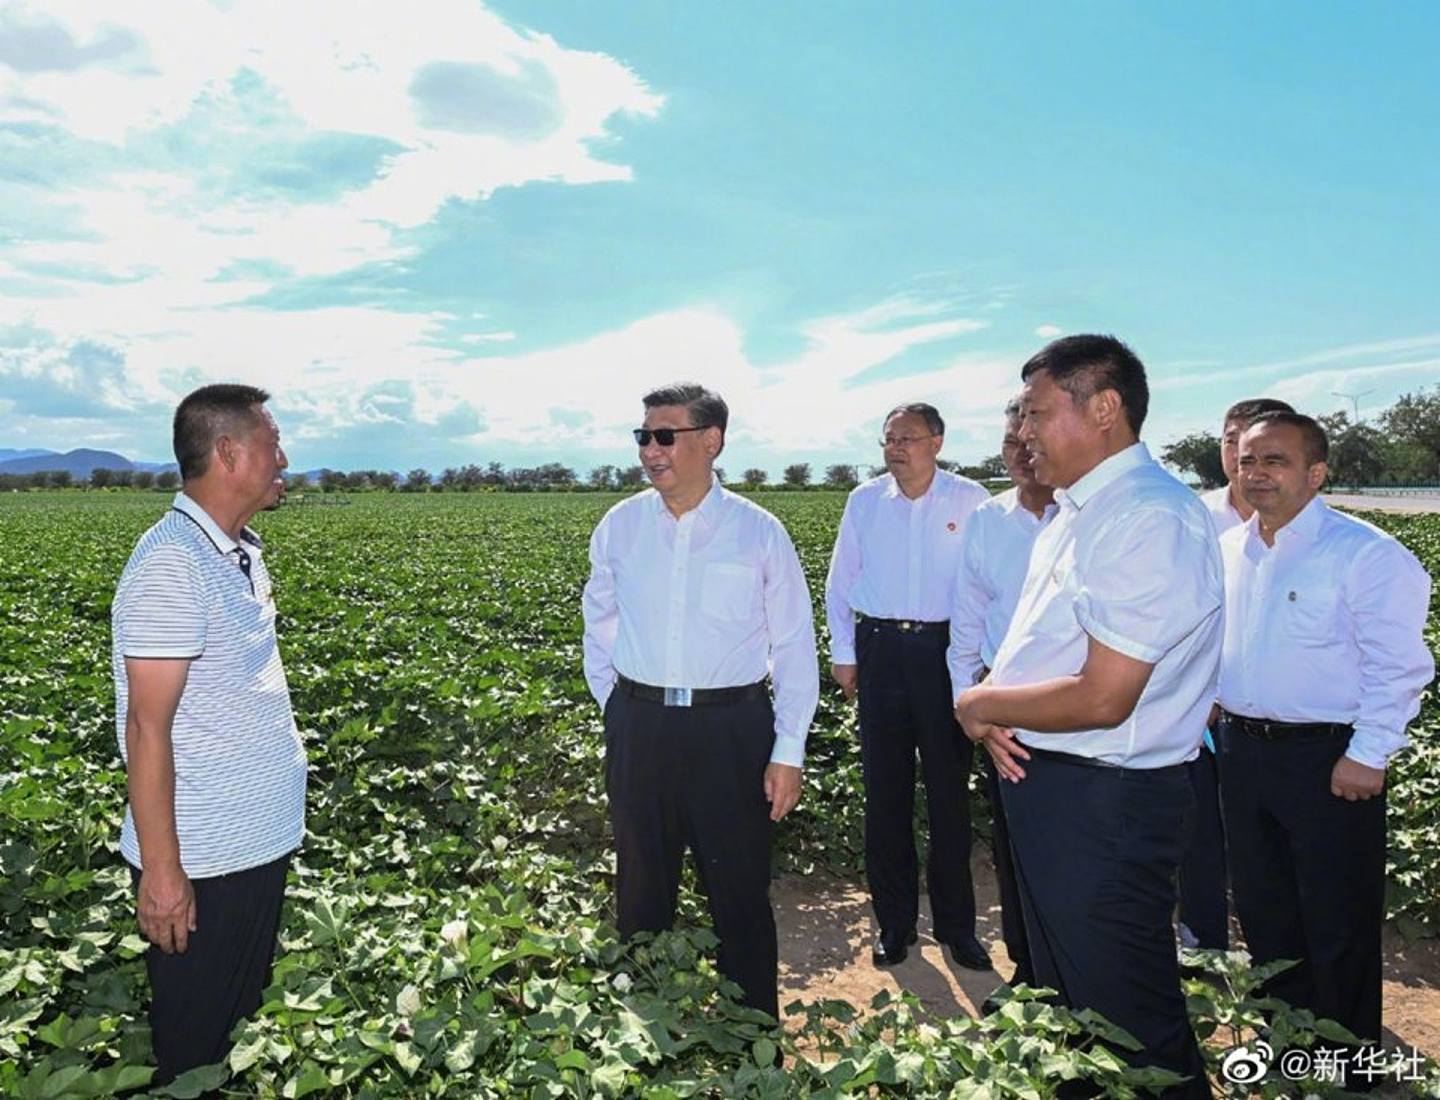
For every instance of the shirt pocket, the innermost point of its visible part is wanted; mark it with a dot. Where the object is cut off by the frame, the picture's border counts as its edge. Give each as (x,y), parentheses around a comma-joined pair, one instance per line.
(728,592)
(1310,611)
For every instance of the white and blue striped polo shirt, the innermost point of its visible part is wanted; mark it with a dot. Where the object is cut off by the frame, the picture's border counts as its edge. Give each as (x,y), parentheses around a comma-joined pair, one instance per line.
(239,763)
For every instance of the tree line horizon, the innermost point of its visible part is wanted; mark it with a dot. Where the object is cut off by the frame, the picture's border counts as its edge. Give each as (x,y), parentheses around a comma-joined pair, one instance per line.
(1400,447)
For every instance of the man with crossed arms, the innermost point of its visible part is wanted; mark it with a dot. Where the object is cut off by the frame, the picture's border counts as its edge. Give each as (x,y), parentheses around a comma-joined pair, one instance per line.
(993,561)
(1323,667)
(1098,697)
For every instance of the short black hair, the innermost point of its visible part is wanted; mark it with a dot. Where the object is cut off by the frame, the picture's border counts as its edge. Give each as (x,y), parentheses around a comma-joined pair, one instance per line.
(705,407)
(1085,365)
(1246,411)
(1317,443)
(205,415)
(934,422)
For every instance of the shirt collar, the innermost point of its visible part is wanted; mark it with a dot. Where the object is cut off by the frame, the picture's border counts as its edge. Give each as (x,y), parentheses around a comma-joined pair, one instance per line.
(1010,502)
(1305,525)
(222,542)
(892,490)
(707,508)
(1112,469)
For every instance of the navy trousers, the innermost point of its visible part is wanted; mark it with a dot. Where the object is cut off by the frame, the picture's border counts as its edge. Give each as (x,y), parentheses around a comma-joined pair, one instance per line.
(1096,852)
(198,997)
(906,708)
(1204,902)
(1308,871)
(694,777)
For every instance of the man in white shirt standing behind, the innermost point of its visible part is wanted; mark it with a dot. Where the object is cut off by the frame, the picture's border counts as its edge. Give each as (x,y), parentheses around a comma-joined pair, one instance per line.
(1323,667)
(1098,697)
(1204,901)
(893,569)
(215,767)
(993,562)
(695,594)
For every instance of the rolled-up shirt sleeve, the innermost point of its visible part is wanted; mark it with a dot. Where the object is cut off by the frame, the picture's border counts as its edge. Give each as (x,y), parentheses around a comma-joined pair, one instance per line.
(161,611)
(1150,582)
(601,612)
(839,584)
(969,606)
(790,624)
(1387,594)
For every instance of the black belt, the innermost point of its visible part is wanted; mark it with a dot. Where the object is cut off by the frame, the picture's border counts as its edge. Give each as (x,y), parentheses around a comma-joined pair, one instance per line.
(692,697)
(1268,729)
(905,626)
(1091,762)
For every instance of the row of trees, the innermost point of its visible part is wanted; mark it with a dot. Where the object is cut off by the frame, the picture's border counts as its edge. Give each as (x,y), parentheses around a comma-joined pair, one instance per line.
(491,477)
(1401,447)
(99,479)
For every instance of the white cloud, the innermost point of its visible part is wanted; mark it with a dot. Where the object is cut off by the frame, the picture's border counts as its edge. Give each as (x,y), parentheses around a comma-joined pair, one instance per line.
(1049,332)
(327,66)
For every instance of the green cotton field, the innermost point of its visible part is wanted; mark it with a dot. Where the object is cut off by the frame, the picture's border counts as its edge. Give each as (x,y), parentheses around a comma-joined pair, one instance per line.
(447,924)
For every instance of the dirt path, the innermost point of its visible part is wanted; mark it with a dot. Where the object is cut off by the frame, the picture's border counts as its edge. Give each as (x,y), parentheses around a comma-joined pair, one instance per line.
(826,930)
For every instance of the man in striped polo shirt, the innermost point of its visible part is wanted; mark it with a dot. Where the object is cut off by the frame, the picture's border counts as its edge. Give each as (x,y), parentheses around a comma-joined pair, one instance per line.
(215,765)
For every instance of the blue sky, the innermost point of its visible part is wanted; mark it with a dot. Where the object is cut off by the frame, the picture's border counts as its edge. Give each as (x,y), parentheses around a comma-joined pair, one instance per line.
(458,232)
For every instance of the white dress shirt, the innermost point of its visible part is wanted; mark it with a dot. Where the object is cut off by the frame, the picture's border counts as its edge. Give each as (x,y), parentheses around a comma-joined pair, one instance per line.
(1130,559)
(1222,511)
(1327,625)
(714,598)
(994,557)
(895,558)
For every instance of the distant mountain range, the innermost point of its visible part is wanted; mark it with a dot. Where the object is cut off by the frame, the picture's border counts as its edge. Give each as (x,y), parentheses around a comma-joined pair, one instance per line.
(80,463)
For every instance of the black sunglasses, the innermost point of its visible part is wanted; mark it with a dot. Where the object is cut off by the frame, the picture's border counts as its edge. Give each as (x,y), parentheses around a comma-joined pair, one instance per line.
(663,436)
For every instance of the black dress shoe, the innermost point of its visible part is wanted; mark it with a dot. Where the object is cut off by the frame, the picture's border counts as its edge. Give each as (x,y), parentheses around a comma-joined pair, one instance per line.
(969,953)
(890,949)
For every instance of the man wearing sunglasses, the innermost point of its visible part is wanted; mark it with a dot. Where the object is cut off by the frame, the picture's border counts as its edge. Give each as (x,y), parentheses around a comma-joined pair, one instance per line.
(695,594)
(893,570)
(215,765)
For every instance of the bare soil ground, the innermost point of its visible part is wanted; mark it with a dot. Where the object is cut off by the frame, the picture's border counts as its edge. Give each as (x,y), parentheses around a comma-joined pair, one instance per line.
(826,931)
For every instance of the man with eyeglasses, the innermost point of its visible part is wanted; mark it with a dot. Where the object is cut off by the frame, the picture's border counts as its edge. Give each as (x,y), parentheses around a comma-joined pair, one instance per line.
(215,765)
(695,593)
(887,599)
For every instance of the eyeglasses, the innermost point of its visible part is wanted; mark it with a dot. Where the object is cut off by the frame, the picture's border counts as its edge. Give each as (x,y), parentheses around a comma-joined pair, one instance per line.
(903,440)
(663,436)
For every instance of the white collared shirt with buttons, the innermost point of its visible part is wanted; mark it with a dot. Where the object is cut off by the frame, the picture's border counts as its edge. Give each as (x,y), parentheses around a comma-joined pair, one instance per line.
(1130,559)
(994,558)
(239,763)
(714,598)
(1327,625)
(1222,510)
(895,558)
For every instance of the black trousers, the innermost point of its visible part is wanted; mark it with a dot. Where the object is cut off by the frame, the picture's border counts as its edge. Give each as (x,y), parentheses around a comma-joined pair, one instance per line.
(694,777)
(1308,871)
(905,707)
(1012,914)
(1204,903)
(1096,851)
(197,998)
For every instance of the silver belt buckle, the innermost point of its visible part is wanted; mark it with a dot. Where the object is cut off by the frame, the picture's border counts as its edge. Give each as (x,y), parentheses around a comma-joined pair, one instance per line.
(677,697)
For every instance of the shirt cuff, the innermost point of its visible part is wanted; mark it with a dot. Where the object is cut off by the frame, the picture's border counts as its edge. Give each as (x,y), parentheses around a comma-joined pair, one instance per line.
(788,750)
(1136,651)
(160,652)
(842,655)
(1374,747)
